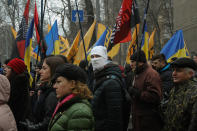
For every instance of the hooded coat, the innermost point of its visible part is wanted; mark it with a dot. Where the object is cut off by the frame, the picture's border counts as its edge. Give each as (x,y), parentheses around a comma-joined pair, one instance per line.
(7,121)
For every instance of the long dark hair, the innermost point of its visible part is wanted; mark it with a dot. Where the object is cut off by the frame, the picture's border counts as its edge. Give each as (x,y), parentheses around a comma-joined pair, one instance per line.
(53,62)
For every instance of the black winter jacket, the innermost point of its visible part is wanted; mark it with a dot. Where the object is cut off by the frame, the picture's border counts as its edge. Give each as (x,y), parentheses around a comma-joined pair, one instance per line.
(167,82)
(44,108)
(107,100)
(19,97)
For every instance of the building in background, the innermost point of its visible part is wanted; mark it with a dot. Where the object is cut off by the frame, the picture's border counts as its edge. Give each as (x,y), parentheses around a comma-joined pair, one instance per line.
(185,18)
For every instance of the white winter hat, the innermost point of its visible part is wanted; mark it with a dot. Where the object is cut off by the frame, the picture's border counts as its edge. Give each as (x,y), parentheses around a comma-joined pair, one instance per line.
(100,50)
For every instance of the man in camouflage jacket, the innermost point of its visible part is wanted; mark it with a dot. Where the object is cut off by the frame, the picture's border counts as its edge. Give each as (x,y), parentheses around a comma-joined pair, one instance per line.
(181,112)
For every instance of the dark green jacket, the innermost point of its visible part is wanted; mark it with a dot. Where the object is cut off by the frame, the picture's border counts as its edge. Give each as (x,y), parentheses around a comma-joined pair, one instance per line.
(181,112)
(74,115)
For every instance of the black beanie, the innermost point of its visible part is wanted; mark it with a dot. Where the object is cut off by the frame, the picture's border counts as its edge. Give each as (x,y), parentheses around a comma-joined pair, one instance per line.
(70,72)
(184,62)
(142,56)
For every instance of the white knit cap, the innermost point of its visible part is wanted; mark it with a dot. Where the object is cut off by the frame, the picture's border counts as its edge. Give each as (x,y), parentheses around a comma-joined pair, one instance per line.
(100,50)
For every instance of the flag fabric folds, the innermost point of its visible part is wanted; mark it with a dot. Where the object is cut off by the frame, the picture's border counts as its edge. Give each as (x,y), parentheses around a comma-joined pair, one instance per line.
(175,47)
(37,26)
(145,38)
(21,35)
(64,46)
(135,16)
(114,51)
(87,38)
(28,47)
(122,29)
(13,32)
(151,44)
(100,29)
(73,49)
(133,44)
(52,40)
(99,42)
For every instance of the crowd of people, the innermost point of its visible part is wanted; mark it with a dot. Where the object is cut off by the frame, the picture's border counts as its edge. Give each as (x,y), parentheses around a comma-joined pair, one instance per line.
(99,95)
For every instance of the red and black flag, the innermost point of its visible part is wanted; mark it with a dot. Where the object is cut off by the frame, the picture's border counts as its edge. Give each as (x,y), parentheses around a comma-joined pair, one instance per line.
(128,18)
(21,35)
(122,28)
(42,47)
(37,25)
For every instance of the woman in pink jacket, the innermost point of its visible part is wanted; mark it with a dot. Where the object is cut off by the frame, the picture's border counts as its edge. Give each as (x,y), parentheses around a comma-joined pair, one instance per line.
(7,121)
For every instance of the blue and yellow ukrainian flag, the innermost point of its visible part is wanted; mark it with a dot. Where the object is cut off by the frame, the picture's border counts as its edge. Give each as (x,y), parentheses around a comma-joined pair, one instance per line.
(175,47)
(145,39)
(52,40)
(28,47)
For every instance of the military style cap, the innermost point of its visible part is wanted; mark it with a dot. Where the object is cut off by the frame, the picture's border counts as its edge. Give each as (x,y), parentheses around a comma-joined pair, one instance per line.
(184,62)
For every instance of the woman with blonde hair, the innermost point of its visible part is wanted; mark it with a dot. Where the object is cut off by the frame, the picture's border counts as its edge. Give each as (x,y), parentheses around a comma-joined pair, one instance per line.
(73,111)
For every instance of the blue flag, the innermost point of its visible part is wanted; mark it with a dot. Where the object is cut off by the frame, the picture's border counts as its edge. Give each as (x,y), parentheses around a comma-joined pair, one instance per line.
(175,47)
(52,40)
(99,42)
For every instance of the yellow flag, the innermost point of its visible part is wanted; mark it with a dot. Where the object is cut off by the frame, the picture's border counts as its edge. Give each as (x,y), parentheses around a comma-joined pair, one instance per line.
(114,51)
(49,28)
(34,55)
(132,44)
(151,44)
(64,46)
(145,46)
(87,38)
(56,50)
(27,60)
(144,43)
(14,32)
(101,29)
(73,49)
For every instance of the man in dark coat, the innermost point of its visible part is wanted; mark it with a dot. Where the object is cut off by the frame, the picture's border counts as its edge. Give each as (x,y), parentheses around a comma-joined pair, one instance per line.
(181,112)
(107,93)
(160,64)
(146,95)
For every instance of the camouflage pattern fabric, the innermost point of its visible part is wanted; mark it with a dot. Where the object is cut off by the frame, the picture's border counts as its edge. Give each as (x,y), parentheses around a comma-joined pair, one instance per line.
(181,112)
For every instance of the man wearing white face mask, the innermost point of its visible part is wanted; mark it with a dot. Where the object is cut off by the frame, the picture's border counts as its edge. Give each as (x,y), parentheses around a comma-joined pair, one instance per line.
(107,100)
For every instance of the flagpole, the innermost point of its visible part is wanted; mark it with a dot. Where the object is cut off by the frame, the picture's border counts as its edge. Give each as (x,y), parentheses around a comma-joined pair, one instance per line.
(43,51)
(139,45)
(144,23)
(81,34)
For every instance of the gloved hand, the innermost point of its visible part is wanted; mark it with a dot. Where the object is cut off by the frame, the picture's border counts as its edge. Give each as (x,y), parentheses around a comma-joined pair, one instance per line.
(135,92)
(30,125)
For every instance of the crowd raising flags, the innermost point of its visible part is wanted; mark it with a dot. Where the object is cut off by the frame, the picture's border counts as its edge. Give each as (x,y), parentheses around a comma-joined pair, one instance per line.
(128,18)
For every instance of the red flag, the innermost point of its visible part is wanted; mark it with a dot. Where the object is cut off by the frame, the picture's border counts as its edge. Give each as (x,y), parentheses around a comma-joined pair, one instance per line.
(36,21)
(38,31)
(122,29)
(21,35)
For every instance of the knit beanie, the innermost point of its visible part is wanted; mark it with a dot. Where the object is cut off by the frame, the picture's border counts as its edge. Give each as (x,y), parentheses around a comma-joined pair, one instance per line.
(70,72)
(17,65)
(100,50)
(141,58)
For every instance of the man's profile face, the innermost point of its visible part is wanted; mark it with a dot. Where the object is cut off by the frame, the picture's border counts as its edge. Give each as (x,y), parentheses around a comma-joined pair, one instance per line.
(180,75)
(195,58)
(156,64)
(133,64)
